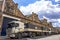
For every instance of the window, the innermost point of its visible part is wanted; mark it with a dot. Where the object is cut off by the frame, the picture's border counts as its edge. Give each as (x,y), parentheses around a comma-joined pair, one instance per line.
(26,25)
(32,26)
(41,28)
(16,25)
(35,27)
(10,25)
(9,9)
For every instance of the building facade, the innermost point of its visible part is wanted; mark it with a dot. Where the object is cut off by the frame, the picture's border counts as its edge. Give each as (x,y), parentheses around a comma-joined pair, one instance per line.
(12,12)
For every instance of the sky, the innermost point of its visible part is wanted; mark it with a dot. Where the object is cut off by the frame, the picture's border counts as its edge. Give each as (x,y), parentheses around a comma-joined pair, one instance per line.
(49,9)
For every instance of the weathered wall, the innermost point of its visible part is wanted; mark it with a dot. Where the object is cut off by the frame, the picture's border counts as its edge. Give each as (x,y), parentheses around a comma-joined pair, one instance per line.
(0,20)
(1,5)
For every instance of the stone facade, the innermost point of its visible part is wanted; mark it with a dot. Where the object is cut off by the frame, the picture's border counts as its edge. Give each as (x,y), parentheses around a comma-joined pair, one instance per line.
(34,19)
(1,2)
(0,20)
(12,10)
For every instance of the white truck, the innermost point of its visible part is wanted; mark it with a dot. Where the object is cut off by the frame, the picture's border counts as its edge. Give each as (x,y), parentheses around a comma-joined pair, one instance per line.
(15,28)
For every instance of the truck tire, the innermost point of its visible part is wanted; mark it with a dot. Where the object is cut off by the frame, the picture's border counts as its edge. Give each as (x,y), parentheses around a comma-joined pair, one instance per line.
(14,37)
(32,35)
(19,35)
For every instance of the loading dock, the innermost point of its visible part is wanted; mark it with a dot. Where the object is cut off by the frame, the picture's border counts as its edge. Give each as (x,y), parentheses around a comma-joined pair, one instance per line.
(6,19)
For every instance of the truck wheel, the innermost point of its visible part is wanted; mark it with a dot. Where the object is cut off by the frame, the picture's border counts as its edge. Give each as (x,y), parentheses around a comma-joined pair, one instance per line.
(32,35)
(14,37)
(19,35)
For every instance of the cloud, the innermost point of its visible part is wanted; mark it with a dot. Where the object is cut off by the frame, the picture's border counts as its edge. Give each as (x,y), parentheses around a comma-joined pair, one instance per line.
(35,7)
(57,0)
(39,6)
(59,20)
(55,22)
(51,15)
(45,9)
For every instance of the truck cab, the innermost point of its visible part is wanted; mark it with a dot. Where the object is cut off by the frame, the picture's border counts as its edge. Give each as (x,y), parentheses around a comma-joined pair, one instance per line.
(14,27)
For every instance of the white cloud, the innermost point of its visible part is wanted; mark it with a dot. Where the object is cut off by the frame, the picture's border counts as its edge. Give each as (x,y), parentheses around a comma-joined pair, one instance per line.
(58,20)
(55,22)
(40,6)
(54,25)
(57,0)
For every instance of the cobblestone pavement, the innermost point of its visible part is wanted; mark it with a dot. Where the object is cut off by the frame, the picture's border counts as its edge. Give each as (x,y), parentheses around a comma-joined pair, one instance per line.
(53,37)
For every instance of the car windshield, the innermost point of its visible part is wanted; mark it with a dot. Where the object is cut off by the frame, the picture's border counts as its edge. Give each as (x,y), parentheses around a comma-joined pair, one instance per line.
(10,25)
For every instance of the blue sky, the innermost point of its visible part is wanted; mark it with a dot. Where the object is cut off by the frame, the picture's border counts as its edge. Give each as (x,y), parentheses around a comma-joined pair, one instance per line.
(49,9)
(24,2)
(27,2)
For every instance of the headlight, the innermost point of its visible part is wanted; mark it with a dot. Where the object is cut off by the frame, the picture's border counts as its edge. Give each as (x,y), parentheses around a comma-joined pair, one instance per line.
(12,35)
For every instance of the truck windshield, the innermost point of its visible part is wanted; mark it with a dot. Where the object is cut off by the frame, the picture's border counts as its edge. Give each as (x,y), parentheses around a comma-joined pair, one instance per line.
(10,25)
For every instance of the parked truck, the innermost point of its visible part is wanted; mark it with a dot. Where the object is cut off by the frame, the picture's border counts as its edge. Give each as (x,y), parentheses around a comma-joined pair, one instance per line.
(17,29)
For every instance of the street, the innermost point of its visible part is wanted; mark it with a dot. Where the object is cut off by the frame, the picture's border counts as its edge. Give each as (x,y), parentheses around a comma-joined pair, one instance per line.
(53,37)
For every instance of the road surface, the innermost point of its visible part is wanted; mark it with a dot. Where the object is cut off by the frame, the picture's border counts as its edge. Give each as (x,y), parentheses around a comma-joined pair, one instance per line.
(53,37)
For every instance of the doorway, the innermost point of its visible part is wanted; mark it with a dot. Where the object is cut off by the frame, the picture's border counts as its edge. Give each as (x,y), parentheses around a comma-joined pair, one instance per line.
(6,20)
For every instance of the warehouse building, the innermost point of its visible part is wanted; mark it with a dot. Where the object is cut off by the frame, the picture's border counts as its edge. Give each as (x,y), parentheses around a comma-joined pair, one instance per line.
(10,12)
